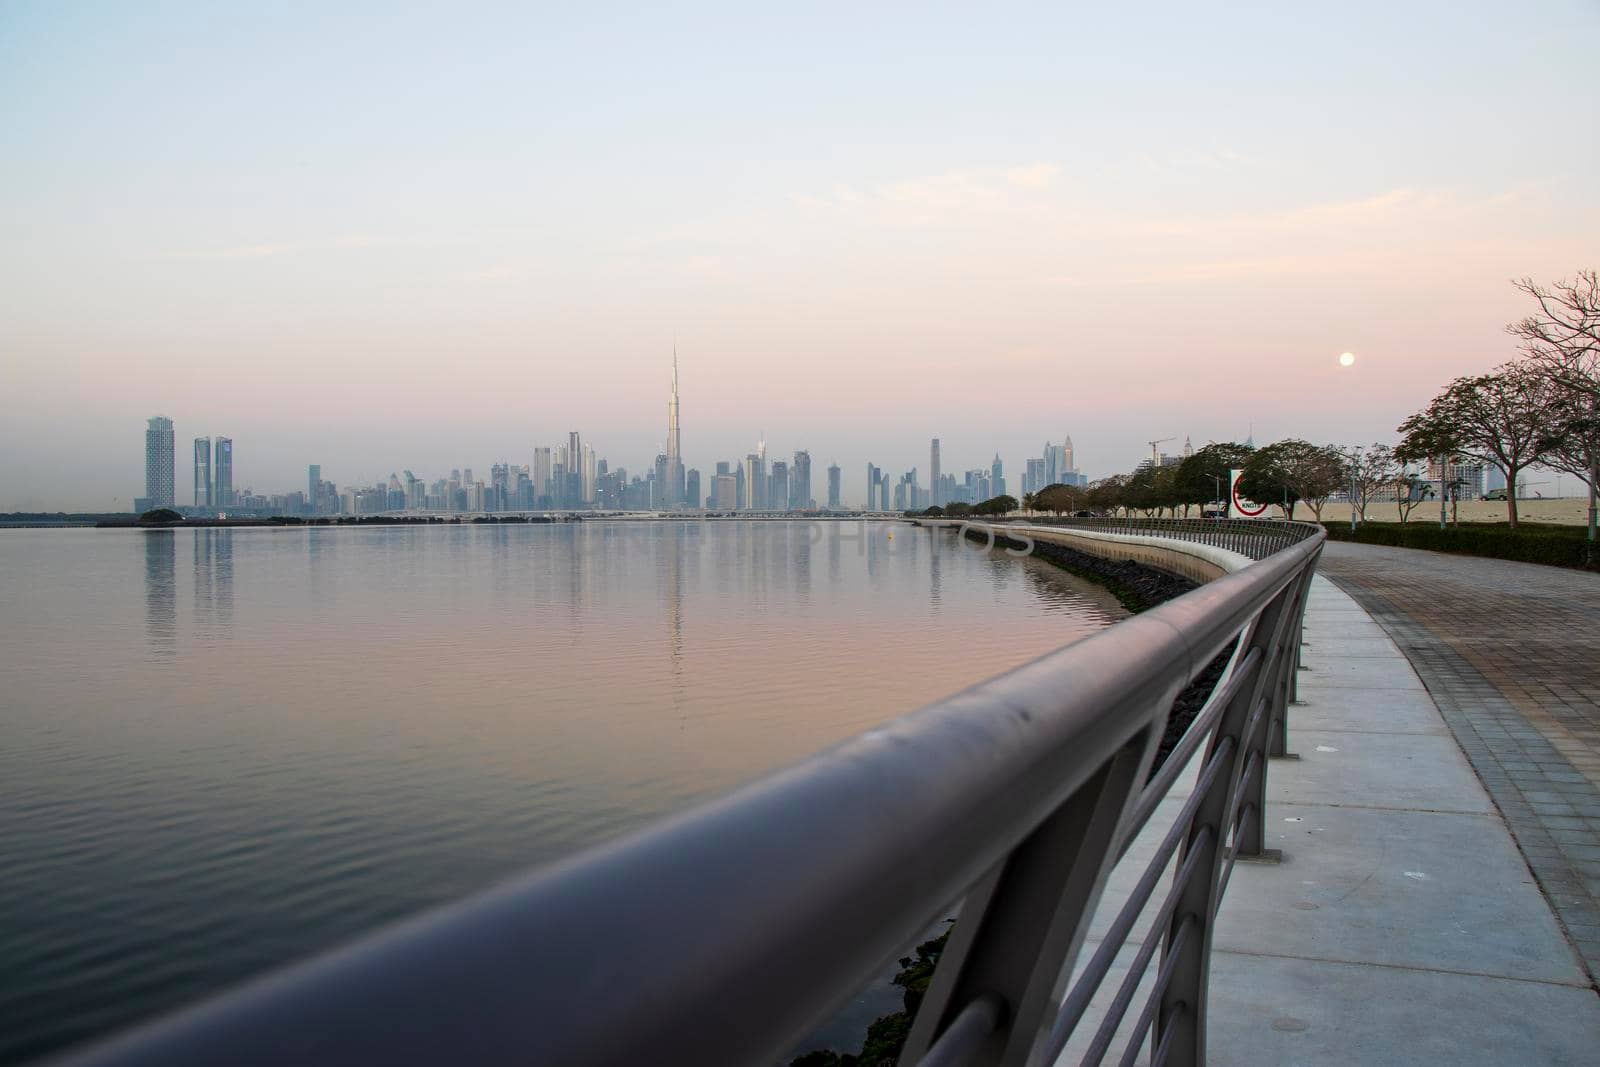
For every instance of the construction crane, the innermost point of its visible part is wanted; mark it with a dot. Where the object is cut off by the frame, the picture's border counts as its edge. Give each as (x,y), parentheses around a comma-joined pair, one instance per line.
(1155,450)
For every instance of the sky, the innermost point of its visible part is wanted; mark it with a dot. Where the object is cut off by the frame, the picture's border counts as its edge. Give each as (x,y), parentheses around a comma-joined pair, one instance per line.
(388,236)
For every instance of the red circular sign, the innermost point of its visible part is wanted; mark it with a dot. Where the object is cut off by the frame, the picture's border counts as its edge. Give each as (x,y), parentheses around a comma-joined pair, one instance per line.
(1240,508)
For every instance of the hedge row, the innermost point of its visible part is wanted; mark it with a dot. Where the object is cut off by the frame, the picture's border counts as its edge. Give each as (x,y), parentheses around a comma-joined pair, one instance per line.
(1553,546)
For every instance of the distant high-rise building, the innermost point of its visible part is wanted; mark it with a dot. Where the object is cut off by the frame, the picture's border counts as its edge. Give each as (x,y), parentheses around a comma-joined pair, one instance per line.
(997,481)
(833,487)
(541,473)
(202,472)
(313,482)
(691,488)
(572,492)
(158,463)
(933,472)
(590,470)
(724,492)
(661,483)
(800,481)
(222,473)
(1069,463)
(874,476)
(778,486)
(676,489)
(754,477)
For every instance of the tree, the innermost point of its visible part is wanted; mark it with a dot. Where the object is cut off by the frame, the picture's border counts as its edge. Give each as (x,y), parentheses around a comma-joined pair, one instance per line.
(1292,471)
(1203,476)
(1106,495)
(156,516)
(1562,341)
(1576,429)
(996,505)
(1057,498)
(1030,501)
(1504,419)
(1370,470)
(1406,495)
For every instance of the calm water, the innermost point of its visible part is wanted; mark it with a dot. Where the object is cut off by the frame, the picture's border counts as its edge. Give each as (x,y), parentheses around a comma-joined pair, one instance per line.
(224,749)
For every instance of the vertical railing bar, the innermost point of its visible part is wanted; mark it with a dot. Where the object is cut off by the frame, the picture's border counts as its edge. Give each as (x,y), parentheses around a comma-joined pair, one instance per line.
(1130,981)
(1163,980)
(1083,990)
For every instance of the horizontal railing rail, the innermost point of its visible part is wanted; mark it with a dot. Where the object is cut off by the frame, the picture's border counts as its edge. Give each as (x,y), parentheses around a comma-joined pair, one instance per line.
(1255,538)
(728,933)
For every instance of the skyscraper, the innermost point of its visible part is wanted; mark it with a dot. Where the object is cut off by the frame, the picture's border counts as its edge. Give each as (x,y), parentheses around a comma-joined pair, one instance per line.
(933,472)
(222,474)
(313,483)
(754,476)
(572,491)
(833,487)
(997,480)
(800,481)
(691,487)
(675,476)
(202,472)
(158,463)
(778,486)
(541,473)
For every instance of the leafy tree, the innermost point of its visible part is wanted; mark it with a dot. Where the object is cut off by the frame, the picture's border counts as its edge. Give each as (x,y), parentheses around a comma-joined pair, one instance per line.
(1406,484)
(996,505)
(1504,419)
(1370,470)
(1203,476)
(1106,495)
(1057,498)
(958,508)
(1290,471)
(1030,501)
(159,515)
(1562,341)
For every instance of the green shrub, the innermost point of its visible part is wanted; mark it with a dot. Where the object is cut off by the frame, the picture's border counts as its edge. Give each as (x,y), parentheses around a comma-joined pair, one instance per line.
(1555,546)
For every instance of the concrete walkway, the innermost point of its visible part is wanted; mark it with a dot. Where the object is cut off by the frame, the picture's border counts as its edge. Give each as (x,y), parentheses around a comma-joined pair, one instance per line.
(1402,925)
(1510,652)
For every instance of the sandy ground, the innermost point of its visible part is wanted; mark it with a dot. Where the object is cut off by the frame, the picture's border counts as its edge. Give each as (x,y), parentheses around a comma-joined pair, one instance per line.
(1570,510)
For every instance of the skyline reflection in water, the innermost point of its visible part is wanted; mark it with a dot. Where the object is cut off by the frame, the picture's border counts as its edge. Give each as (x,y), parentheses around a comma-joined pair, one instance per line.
(307,732)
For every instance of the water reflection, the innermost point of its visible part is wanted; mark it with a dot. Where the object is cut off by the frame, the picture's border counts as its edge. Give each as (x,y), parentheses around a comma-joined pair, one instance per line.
(468,701)
(213,583)
(161,591)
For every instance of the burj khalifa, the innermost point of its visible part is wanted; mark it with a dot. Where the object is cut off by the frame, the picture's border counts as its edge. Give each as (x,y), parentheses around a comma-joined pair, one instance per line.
(674,487)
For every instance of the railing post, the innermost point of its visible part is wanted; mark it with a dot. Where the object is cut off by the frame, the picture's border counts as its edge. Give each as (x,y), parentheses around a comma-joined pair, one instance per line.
(1279,737)
(1021,926)
(1181,1021)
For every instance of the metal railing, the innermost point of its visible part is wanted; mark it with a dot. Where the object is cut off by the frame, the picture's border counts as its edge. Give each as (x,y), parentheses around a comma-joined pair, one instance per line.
(726,934)
(1255,538)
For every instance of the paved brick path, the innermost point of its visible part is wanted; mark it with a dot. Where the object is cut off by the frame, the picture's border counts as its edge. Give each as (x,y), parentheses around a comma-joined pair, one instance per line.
(1510,652)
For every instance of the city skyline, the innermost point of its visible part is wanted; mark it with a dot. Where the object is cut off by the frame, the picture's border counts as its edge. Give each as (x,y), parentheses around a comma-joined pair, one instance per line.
(553,481)
(325,259)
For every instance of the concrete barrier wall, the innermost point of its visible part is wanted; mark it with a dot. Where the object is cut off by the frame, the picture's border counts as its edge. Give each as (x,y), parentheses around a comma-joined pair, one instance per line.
(1192,560)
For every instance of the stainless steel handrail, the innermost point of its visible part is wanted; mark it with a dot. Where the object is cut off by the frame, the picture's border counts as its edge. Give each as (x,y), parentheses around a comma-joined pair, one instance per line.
(727,933)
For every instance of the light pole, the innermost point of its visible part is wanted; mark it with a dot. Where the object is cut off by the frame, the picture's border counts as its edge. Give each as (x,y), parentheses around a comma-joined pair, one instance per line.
(1353,459)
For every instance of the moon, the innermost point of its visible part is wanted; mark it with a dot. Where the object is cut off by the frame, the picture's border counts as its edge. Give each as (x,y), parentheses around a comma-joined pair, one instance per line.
(1347,359)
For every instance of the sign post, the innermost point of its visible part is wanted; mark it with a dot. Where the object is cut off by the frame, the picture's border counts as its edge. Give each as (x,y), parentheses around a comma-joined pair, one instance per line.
(1236,508)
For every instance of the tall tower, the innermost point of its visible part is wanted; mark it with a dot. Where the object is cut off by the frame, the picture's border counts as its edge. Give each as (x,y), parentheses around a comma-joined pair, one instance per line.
(202,472)
(833,487)
(158,462)
(674,487)
(222,474)
(933,472)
